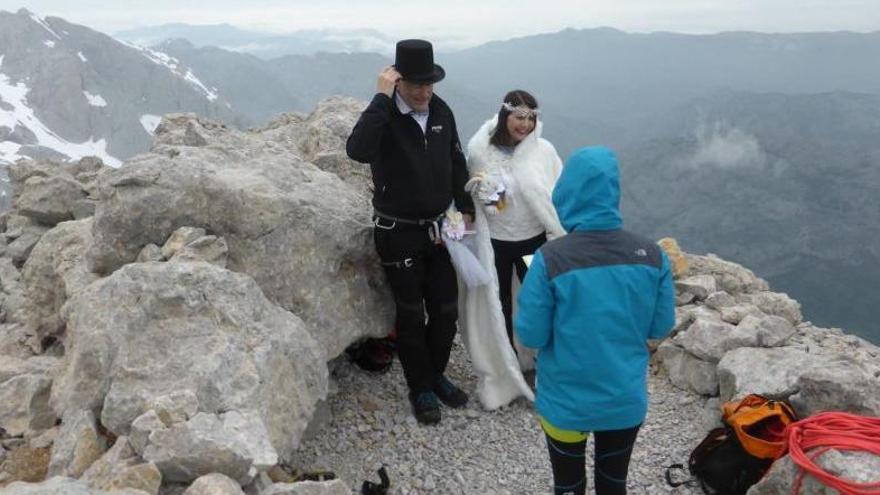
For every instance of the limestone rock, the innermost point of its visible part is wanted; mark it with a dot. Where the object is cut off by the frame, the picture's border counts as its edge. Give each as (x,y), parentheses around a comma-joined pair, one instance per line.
(209,248)
(719,299)
(54,272)
(25,464)
(141,428)
(49,200)
(303,234)
(214,484)
(151,328)
(150,252)
(176,407)
(180,238)
(198,447)
(62,486)
(705,339)
(698,285)
(837,383)
(686,371)
(119,468)
(77,446)
(730,277)
(736,313)
(859,467)
(771,372)
(320,137)
(774,303)
(24,394)
(767,331)
(19,249)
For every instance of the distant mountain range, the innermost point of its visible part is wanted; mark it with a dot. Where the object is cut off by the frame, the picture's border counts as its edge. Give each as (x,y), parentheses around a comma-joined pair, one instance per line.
(68,91)
(263,45)
(763,148)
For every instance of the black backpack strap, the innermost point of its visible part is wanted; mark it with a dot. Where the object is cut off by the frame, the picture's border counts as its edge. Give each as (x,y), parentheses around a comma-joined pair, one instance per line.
(370,488)
(676,484)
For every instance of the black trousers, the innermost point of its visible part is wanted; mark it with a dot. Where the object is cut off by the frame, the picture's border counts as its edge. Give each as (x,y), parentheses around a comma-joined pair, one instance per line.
(613,450)
(425,284)
(508,256)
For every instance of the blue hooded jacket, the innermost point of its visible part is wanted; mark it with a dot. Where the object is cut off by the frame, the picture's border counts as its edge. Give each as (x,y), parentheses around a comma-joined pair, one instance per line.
(590,301)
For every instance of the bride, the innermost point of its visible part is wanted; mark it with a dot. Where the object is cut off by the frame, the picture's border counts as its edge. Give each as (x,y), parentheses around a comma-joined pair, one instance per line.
(513,171)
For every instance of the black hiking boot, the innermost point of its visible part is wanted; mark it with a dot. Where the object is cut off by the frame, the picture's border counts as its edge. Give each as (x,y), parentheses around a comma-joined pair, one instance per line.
(448,393)
(426,409)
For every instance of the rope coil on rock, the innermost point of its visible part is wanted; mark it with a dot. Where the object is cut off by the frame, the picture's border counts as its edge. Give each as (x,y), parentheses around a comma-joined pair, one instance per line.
(809,438)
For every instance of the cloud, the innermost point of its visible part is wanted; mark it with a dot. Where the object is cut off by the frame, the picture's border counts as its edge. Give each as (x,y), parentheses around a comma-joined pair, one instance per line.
(726,147)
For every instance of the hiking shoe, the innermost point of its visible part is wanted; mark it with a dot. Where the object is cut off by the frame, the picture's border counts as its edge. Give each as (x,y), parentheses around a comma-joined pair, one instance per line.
(448,393)
(426,409)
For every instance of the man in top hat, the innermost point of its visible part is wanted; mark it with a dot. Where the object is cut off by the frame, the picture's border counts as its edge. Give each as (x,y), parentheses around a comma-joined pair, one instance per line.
(408,136)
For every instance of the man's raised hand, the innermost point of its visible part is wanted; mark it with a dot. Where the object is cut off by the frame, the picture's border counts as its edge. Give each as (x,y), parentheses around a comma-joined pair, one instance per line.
(387,80)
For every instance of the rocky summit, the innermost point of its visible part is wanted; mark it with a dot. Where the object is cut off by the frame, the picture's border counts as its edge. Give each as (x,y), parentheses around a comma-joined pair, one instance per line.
(177,326)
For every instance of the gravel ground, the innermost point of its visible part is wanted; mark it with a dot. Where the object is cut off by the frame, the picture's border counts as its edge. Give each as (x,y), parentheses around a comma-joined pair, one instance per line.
(368,423)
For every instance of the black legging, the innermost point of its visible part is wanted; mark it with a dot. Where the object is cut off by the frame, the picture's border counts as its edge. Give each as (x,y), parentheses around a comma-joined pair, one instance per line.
(508,255)
(610,463)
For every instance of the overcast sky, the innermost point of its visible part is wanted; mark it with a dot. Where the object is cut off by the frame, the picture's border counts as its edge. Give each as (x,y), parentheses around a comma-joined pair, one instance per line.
(471,21)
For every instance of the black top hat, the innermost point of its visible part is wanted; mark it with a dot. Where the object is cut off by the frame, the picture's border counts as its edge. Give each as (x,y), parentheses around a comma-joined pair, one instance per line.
(415,62)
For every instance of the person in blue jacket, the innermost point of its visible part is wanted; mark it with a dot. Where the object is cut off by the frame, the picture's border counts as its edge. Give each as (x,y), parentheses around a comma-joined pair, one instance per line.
(590,301)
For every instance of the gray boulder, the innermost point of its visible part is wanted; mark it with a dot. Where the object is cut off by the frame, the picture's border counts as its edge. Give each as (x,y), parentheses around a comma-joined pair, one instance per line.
(209,248)
(180,238)
(153,328)
(765,331)
(686,371)
(779,304)
(121,469)
(205,445)
(60,485)
(738,312)
(150,252)
(214,484)
(54,272)
(24,394)
(771,372)
(705,339)
(698,285)
(859,467)
(50,200)
(303,234)
(77,445)
(838,383)
(730,277)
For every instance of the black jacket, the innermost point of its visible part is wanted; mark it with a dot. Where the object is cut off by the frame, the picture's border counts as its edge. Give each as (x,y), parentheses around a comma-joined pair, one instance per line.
(415,175)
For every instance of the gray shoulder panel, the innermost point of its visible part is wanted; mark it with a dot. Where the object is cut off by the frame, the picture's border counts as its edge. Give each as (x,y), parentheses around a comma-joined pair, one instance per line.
(579,250)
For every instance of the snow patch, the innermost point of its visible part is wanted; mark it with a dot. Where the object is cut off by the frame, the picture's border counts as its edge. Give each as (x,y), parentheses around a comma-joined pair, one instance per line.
(49,43)
(15,95)
(150,122)
(42,22)
(82,57)
(9,152)
(95,100)
(176,68)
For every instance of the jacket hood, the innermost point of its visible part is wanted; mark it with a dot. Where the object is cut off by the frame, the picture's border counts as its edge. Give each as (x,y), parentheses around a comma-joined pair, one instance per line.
(587,195)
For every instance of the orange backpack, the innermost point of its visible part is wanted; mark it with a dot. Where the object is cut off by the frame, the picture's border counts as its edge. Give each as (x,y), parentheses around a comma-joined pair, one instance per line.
(733,458)
(759,424)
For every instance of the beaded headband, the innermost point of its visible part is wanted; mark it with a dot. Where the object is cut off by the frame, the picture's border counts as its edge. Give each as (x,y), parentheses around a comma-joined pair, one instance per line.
(521,110)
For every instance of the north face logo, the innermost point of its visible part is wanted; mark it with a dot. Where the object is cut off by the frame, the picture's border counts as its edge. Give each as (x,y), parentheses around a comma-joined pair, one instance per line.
(640,252)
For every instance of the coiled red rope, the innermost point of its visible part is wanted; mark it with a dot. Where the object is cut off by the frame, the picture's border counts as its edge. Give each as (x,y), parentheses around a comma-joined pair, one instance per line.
(809,438)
